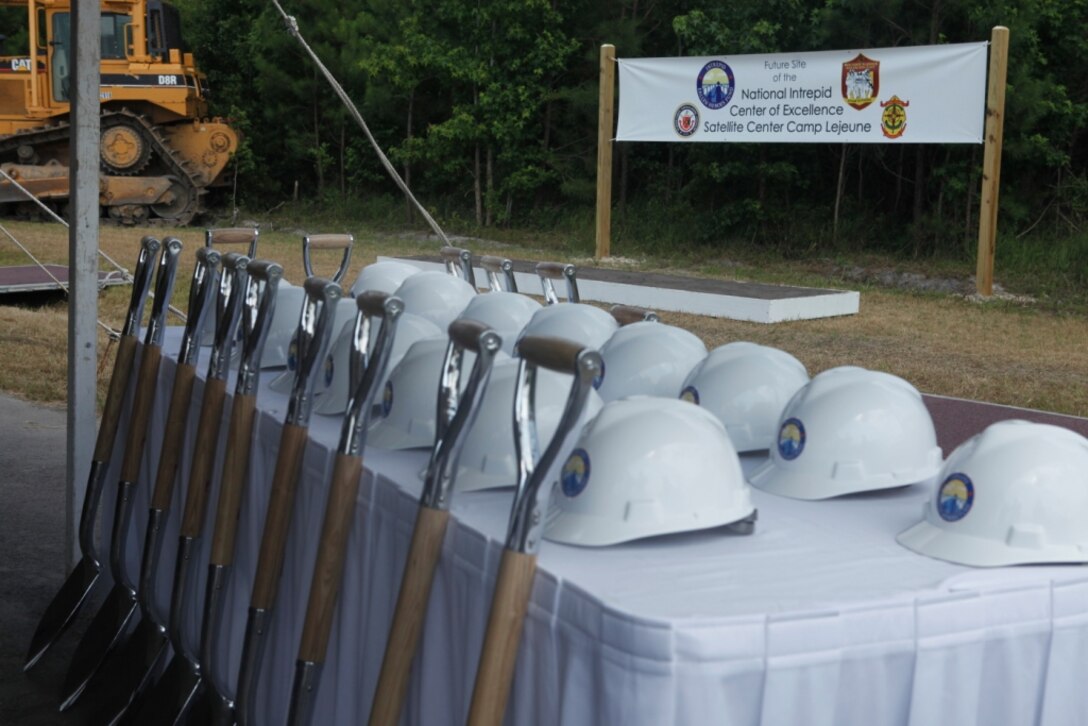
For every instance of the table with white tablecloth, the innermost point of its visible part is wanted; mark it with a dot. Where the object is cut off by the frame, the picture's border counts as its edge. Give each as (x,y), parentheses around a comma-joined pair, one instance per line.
(818,617)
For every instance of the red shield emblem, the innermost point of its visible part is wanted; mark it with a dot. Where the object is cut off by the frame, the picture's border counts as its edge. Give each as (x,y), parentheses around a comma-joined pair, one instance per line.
(860,81)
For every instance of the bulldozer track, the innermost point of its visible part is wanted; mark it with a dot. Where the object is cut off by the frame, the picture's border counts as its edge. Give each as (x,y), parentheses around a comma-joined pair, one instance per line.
(176,167)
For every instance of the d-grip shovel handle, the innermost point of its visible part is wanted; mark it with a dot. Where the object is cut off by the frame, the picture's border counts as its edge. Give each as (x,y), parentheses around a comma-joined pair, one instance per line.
(627,314)
(457,413)
(548,271)
(126,349)
(233,236)
(343,242)
(514,585)
(340,508)
(494,266)
(458,263)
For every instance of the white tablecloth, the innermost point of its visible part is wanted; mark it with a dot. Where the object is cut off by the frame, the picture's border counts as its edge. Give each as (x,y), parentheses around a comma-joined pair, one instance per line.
(819,617)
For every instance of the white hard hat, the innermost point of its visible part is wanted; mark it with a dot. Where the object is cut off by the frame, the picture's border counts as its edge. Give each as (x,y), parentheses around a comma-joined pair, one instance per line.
(383,276)
(283,326)
(436,296)
(647,466)
(343,319)
(746,386)
(850,430)
(648,358)
(507,313)
(410,396)
(1015,494)
(488,458)
(332,388)
(581,323)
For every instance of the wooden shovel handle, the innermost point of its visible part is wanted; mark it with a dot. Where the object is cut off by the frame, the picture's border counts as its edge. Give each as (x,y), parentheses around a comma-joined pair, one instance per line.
(115,397)
(552,270)
(408,617)
(493,263)
(176,418)
(331,241)
(232,485)
(200,473)
(146,380)
(231,236)
(331,552)
(556,354)
(500,651)
(281,504)
(628,314)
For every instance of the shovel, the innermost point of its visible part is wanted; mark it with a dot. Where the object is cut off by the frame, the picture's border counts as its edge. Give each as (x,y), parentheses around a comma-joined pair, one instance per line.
(343,490)
(129,669)
(314,331)
(207,435)
(455,418)
(518,566)
(258,307)
(112,619)
(83,577)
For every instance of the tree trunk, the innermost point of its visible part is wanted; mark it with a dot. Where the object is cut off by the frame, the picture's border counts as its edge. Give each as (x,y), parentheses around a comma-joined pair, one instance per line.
(919,206)
(488,201)
(476,187)
(317,141)
(409,210)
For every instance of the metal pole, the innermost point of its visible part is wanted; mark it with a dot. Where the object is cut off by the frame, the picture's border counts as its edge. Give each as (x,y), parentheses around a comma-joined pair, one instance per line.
(82,262)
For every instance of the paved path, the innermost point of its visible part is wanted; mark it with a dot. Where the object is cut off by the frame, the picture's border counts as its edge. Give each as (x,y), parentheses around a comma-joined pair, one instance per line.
(32,563)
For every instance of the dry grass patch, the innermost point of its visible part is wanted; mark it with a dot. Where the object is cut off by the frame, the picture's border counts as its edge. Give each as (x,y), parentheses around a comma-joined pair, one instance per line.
(999,352)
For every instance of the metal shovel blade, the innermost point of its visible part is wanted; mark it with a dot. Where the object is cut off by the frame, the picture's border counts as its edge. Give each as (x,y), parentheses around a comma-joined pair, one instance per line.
(213,709)
(106,630)
(172,697)
(62,610)
(130,669)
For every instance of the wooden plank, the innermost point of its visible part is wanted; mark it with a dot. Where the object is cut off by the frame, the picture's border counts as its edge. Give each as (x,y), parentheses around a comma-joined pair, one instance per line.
(991,160)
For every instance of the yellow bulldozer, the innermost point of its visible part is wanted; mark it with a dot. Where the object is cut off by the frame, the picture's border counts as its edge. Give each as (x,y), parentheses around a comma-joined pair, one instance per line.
(159,150)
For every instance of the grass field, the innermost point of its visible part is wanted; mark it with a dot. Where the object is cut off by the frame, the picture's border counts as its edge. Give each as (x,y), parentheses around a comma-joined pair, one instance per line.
(1019,353)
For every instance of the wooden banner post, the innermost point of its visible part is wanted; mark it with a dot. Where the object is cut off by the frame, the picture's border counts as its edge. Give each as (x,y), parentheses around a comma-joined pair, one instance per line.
(605,124)
(991,160)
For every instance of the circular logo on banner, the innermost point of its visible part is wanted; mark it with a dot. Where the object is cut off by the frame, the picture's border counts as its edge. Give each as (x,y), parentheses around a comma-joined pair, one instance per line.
(387,399)
(690,394)
(791,439)
(715,84)
(686,120)
(292,355)
(955,497)
(328,371)
(575,474)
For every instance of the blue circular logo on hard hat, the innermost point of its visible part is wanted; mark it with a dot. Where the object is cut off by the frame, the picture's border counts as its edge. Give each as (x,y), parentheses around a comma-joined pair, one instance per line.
(599,378)
(690,394)
(955,497)
(387,398)
(575,474)
(292,355)
(791,439)
(328,371)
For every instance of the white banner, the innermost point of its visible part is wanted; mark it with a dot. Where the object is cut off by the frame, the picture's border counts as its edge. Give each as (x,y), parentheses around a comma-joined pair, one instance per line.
(921,94)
